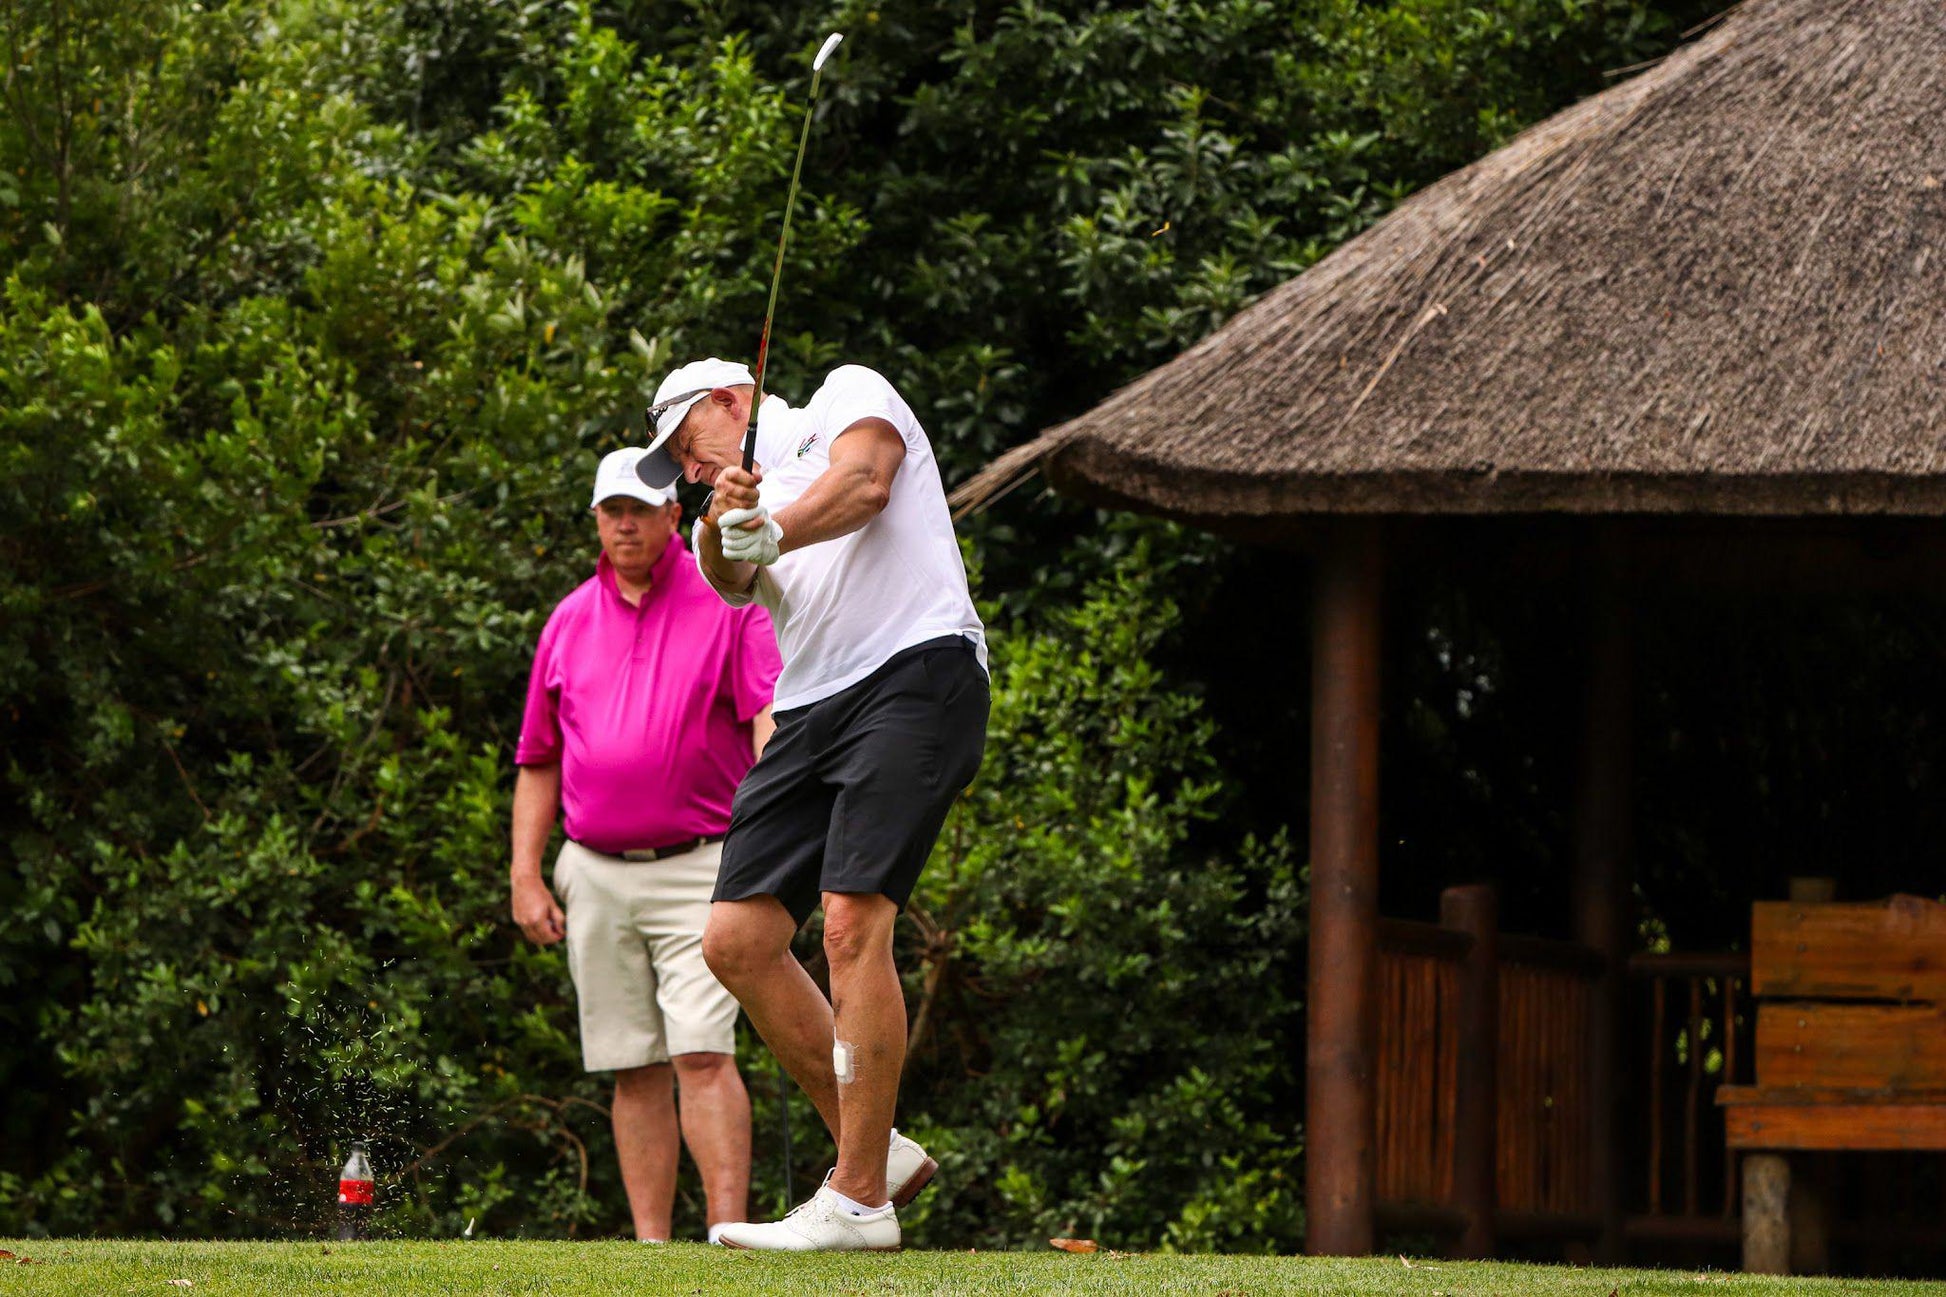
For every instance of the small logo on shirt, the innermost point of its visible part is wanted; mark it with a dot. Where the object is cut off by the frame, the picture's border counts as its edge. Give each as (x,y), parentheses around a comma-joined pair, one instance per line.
(804,447)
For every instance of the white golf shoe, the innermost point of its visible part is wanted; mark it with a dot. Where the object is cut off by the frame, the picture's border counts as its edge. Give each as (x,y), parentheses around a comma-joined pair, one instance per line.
(907,1170)
(820,1225)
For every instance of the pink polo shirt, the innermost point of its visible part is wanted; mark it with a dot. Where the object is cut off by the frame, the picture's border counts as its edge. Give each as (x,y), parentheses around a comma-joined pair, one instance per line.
(647,708)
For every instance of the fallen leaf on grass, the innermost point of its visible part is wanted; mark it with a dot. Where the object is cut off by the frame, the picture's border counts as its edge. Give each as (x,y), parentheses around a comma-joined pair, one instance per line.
(1075,1244)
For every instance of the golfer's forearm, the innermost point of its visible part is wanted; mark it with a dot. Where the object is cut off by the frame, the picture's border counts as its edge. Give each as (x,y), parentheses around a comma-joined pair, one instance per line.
(844,498)
(730,579)
(537,800)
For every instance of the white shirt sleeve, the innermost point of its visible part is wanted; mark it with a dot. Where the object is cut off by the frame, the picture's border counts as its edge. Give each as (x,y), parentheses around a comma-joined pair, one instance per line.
(859,393)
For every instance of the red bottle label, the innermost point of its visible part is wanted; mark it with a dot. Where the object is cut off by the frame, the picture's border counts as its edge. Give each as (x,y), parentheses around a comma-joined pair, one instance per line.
(355,1193)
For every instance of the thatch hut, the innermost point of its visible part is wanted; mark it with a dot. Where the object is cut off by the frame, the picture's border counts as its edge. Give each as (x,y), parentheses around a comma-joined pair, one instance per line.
(1697,321)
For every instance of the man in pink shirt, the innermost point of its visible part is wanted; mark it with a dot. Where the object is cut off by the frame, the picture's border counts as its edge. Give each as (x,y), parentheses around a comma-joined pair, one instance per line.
(648,702)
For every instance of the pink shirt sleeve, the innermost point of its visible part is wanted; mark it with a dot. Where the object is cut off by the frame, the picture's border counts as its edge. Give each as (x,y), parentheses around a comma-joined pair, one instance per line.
(540,723)
(754,663)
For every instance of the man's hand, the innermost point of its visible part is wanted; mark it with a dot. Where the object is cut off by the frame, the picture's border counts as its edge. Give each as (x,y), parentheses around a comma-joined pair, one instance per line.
(735,490)
(536,913)
(750,536)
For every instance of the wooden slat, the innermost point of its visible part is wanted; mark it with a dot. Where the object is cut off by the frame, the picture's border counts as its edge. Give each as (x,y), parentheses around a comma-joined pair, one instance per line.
(1692,1098)
(1852,1045)
(1882,950)
(1413,1109)
(1511,1183)
(1415,1112)
(1729,1078)
(1448,1089)
(1391,1072)
(1890,1126)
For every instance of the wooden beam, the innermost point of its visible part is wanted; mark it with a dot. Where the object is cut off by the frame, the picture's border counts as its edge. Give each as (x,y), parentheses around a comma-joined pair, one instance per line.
(1603,910)
(1837,1120)
(1860,1046)
(1475,910)
(1893,949)
(1340,1121)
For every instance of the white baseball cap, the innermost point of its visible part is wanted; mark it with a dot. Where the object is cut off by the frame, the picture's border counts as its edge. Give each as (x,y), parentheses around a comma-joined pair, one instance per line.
(685,385)
(617,476)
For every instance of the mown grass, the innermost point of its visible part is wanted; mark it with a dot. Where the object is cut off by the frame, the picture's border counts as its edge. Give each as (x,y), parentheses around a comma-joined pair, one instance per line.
(398,1269)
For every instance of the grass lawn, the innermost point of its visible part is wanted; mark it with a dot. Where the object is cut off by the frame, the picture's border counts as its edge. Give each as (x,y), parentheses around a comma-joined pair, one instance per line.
(398,1269)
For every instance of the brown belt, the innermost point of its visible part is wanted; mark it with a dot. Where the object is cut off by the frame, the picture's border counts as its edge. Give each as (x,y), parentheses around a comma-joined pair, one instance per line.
(673,849)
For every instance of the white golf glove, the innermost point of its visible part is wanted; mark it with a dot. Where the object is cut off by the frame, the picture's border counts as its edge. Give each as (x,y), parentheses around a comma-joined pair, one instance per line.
(756,545)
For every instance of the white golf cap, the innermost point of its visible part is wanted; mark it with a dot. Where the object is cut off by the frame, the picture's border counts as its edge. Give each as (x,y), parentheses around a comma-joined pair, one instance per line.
(685,385)
(617,476)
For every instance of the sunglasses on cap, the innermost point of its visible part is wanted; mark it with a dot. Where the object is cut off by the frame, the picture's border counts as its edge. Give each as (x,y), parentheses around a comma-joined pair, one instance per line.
(658,468)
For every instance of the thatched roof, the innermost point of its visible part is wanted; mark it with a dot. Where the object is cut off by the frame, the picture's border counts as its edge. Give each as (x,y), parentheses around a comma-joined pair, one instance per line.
(1719,287)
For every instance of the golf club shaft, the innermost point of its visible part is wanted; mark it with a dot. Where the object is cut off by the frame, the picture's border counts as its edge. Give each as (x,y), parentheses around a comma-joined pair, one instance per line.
(777,271)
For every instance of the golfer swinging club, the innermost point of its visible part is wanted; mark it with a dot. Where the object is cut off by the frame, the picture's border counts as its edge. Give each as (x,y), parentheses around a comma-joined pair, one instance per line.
(881,720)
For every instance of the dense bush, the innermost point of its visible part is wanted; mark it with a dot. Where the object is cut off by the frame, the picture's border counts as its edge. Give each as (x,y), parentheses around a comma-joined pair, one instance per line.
(1103,1020)
(313,319)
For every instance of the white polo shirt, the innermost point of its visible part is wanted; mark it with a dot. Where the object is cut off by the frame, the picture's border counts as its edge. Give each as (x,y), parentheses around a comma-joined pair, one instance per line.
(842,607)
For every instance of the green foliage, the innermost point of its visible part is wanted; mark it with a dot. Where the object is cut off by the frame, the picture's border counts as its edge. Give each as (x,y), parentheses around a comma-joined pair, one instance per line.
(1102,1015)
(313,319)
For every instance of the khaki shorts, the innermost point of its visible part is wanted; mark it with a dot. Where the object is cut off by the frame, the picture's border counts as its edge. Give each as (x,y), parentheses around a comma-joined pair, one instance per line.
(635,950)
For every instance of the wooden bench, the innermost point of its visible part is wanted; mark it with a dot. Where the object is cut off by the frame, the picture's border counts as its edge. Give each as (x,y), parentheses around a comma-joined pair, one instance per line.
(1851,1056)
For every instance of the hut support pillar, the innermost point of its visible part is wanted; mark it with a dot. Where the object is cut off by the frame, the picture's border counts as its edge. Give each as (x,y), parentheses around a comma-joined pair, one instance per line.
(1340,1118)
(1603,886)
(1475,910)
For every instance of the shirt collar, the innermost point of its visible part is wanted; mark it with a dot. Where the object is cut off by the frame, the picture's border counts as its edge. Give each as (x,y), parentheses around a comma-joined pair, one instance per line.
(664,566)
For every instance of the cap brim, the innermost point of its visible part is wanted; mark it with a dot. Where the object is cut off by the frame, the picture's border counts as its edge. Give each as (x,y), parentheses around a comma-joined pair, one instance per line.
(658,468)
(657,496)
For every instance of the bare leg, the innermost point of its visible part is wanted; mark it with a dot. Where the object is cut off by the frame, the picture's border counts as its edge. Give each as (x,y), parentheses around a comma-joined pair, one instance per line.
(646,1145)
(716,1125)
(748,946)
(868,1008)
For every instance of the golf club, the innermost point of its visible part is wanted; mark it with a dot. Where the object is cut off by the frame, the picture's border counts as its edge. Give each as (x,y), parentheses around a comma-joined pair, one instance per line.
(658,467)
(777,272)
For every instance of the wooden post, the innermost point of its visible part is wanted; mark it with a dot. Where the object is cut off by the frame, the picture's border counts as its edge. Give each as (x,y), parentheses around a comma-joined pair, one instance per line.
(1603,904)
(1766,1213)
(1475,910)
(1340,1121)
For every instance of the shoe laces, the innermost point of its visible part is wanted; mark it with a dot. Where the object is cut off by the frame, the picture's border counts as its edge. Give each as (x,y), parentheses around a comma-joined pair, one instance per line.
(812,1201)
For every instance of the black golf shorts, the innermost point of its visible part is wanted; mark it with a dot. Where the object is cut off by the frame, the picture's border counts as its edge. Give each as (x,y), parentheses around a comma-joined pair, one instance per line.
(852,789)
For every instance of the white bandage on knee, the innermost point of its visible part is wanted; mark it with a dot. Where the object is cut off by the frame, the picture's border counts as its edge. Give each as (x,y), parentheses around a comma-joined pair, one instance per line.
(841,1061)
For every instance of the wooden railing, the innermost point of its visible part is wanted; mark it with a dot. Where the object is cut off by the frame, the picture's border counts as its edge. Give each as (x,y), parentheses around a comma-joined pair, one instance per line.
(1418,1054)
(1482,1094)
(1544,1114)
(1692,1013)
